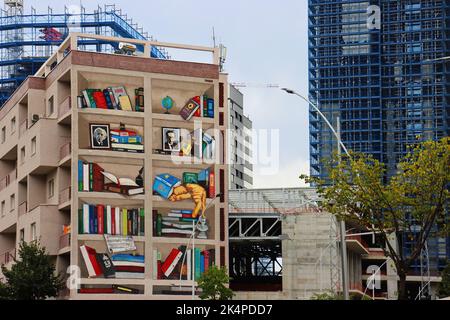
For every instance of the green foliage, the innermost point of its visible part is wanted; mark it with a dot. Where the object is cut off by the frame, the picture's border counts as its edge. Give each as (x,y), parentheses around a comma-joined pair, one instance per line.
(415,196)
(213,284)
(329,295)
(444,286)
(32,277)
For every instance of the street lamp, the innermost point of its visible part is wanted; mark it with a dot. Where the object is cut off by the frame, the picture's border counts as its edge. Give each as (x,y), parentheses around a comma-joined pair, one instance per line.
(342,222)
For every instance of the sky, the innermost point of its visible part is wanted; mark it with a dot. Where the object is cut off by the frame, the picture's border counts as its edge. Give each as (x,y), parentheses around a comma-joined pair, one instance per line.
(267,42)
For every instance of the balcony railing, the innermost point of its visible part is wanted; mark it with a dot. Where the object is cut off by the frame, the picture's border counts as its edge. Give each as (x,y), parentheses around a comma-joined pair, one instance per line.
(65,150)
(64,241)
(23,127)
(23,208)
(64,195)
(65,107)
(8,179)
(8,256)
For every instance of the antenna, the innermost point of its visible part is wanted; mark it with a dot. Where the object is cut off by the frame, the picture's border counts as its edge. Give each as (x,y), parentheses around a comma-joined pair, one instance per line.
(214,38)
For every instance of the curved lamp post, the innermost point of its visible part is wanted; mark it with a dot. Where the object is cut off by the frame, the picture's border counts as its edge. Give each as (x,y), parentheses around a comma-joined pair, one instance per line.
(342,222)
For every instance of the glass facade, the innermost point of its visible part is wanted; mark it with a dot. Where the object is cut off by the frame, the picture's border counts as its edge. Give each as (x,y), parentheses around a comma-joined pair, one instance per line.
(387,85)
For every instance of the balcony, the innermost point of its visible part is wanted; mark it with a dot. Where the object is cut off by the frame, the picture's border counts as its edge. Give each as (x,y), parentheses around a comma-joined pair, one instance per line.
(64,114)
(65,152)
(23,128)
(64,198)
(48,221)
(39,149)
(23,208)
(356,244)
(8,257)
(64,244)
(8,179)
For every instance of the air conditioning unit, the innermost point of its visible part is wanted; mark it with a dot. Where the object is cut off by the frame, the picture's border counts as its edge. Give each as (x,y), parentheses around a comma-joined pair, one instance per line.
(35,118)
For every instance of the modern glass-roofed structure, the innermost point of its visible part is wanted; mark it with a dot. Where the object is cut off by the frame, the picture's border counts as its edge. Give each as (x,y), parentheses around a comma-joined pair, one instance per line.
(28,39)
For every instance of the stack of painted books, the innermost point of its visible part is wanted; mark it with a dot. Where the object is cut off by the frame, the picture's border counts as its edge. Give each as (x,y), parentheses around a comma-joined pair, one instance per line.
(126,141)
(177,223)
(128,266)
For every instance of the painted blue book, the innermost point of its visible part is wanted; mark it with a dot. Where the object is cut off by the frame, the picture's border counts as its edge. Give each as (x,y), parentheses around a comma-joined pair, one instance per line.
(198,257)
(128,258)
(91,220)
(210,108)
(126,140)
(109,103)
(164,184)
(95,220)
(80,175)
(202,264)
(181,211)
(203,176)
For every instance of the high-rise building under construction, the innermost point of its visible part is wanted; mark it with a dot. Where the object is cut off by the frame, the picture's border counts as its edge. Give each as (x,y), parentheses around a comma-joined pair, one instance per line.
(27,40)
(380,67)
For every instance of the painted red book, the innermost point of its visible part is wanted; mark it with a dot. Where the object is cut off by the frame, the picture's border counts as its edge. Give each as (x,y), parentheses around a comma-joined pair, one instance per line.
(113,221)
(160,272)
(95,290)
(206,255)
(99,179)
(100,217)
(129,269)
(90,260)
(100,100)
(212,185)
(171,261)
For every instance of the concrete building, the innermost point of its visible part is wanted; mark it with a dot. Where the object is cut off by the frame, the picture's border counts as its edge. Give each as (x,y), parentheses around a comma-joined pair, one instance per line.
(45,134)
(283,247)
(241,168)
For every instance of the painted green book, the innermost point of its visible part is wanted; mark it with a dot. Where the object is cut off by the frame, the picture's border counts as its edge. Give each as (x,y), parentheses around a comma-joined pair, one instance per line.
(80,222)
(190,177)
(141,222)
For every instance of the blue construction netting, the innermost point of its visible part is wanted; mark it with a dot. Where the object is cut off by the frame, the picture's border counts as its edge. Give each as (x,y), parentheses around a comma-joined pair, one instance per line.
(27,40)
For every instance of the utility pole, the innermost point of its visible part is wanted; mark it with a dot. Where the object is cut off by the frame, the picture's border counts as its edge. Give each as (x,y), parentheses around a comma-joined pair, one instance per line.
(342,229)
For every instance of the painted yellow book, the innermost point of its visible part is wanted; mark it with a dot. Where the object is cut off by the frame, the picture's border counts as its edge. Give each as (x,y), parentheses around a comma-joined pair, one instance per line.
(124,222)
(125,103)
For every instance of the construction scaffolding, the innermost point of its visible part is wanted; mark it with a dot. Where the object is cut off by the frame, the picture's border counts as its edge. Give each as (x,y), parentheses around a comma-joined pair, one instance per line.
(264,223)
(27,40)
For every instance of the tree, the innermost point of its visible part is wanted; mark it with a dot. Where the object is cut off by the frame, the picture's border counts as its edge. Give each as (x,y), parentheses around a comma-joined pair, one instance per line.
(410,204)
(444,286)
(213,284)
(32,277)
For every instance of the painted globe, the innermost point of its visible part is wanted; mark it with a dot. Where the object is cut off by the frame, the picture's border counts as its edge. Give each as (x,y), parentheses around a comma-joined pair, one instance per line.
(167,103)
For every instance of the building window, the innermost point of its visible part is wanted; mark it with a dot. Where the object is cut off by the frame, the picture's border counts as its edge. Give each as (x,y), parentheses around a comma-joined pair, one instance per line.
(33,232)
(22,235)
(51,106)
(51,188)
(33,146)
(3,134)
(12,202)
(13,125)
(3,208)
(22,154)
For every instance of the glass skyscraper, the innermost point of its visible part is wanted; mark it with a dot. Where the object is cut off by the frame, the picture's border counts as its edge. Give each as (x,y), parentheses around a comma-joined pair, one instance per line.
(378,67)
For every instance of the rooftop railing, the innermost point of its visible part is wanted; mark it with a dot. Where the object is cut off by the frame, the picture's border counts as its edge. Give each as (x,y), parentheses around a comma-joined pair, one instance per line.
(72,42)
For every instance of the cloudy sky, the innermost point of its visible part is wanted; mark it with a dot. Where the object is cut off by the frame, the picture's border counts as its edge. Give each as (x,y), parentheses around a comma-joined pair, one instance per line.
(267,43)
